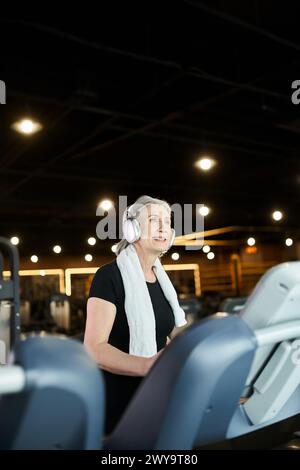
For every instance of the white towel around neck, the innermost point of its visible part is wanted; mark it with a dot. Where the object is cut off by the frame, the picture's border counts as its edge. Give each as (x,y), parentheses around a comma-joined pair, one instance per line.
(138,305)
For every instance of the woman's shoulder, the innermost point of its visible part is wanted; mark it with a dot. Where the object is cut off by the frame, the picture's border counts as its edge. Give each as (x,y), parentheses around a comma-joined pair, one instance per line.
(108,267)
(109,271)
(106,281)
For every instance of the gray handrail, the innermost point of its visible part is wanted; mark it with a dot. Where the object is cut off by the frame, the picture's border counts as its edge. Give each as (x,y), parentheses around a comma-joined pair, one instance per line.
(13,291)
(276,333)
(12,379)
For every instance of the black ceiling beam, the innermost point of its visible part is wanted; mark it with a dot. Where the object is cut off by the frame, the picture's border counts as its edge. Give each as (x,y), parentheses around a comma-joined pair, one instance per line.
(9,160)
(190,140)
(90,108)
(183,127)
(55,159)
(40,171)
(192,71)
(250,27)
(69,209)
(186,128)
(120,114)
(12,156)
(170,117)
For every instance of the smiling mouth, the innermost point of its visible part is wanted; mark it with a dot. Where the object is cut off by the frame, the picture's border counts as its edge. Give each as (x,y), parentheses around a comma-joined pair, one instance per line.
(159,239)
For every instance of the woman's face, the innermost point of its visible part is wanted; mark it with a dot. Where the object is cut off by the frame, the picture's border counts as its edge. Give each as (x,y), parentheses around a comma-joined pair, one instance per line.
(155,222)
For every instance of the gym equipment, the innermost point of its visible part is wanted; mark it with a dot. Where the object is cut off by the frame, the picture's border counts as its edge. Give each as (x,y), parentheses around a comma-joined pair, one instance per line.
(25,311)
(9,300)
(233,304)
(194,387)
(40,317)
(67,313)
(191,306)
(60,311)
(193,312)
(51,391)
(51,397)
(225,377)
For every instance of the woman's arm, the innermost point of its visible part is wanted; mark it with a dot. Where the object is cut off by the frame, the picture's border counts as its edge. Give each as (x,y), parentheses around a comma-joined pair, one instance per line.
(100,318)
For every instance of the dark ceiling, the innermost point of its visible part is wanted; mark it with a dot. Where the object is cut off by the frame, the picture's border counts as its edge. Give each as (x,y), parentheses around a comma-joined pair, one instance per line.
(130,95)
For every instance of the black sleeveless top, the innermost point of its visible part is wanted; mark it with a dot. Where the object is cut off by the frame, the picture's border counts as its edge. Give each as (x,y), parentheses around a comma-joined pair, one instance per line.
(108,285)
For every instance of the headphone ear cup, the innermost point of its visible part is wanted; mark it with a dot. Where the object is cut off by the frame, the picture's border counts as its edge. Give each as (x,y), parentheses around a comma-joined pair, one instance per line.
(172,238)
(131,230)
(128,231)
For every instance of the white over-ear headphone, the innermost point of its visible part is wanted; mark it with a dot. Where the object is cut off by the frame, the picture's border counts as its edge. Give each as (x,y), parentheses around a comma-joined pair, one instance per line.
(132,229)
(131,226)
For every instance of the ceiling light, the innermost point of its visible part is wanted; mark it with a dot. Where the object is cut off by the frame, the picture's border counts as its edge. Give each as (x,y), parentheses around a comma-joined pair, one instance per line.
(205,163)
(251,241)
(27,126)
(106,204)
(14,240)
(277,215)
(204,211)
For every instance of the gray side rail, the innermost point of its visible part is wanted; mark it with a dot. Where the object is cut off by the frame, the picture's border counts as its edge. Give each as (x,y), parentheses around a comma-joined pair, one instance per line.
(10,289)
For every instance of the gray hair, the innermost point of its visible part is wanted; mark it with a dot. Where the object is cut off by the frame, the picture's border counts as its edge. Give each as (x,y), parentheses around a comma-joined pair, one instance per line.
(135,210)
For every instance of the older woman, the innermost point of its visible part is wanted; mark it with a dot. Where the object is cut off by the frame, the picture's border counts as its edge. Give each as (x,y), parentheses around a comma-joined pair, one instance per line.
(132,306)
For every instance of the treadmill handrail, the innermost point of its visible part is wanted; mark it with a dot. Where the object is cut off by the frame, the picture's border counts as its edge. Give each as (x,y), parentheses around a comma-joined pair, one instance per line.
(12,379)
